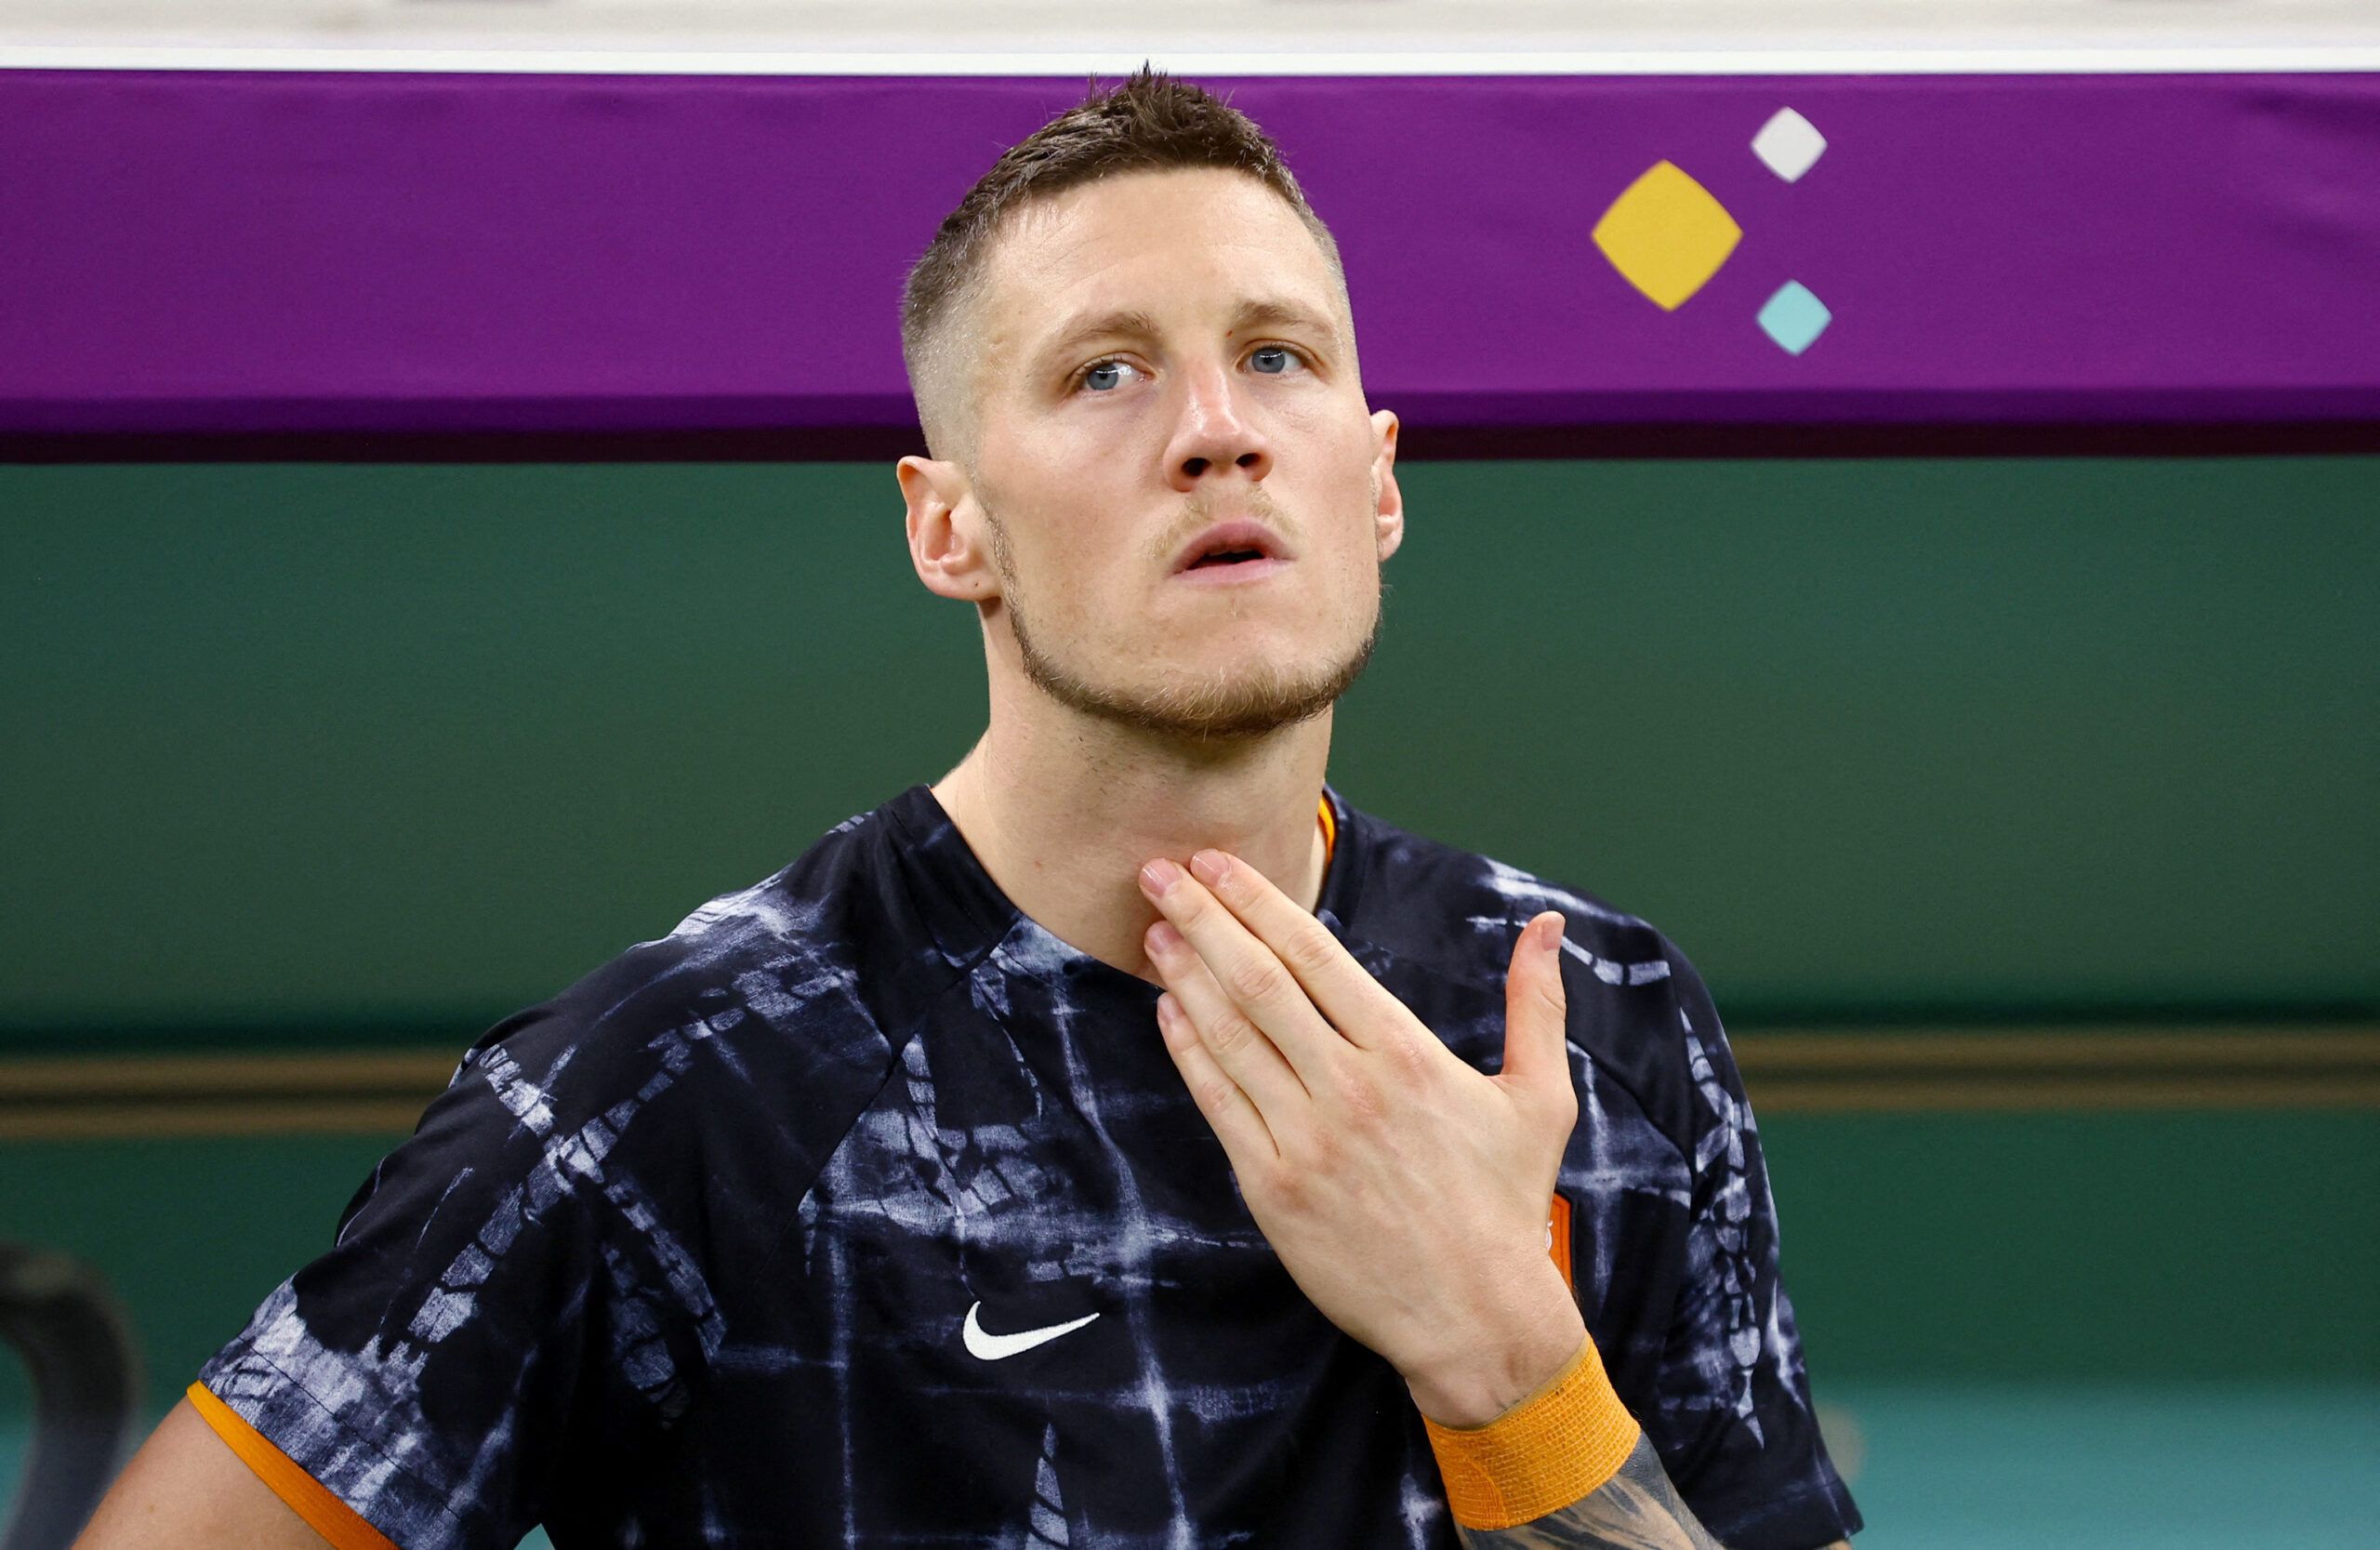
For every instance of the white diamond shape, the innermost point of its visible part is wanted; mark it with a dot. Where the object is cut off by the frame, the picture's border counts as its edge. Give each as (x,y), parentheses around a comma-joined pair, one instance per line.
(1788,144)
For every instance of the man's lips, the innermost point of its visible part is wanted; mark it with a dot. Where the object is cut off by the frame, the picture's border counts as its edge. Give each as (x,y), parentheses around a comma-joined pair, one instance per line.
(1240,533)
(1231,574)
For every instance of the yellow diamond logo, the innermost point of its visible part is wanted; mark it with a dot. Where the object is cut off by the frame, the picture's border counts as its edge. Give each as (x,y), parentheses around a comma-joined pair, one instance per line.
(1666,235)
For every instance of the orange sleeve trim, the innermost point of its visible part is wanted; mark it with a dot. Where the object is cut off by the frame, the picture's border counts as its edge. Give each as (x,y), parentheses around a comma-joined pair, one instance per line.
(1559,1444)
(306,1496)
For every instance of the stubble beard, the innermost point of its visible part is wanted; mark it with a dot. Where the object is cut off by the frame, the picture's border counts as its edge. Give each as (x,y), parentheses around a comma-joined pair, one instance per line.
(1261,698)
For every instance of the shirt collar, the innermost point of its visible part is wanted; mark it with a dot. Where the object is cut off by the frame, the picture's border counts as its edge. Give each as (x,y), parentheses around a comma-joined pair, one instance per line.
(969,915)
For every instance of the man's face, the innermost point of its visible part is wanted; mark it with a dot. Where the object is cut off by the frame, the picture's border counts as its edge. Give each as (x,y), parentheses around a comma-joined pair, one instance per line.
(1158,353)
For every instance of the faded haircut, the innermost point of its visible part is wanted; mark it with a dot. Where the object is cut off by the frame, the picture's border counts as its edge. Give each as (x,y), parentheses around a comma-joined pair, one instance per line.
(1150,123)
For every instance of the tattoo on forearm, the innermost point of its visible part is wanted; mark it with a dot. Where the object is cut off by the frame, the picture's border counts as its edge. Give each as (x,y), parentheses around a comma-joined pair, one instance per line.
(1636,1509)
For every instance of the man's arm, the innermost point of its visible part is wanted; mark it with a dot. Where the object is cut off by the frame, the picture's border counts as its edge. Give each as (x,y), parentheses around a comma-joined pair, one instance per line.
(1636,1509)
(1565,1469)
(1565,1466)
(1360,1140)
(186,1489)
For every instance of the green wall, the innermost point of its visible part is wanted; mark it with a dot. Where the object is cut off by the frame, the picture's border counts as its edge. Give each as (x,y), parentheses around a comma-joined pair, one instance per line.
(351,755)
(343,753)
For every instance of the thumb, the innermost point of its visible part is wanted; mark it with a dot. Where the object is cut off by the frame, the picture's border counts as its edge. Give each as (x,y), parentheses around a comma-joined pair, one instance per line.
(1535,1022)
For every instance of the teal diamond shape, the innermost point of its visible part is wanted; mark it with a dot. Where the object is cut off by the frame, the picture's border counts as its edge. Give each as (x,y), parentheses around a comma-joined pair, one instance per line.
(1794,318)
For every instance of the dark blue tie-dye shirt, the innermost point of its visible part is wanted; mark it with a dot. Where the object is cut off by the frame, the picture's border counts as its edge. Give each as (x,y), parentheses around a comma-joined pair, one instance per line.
(716,1246)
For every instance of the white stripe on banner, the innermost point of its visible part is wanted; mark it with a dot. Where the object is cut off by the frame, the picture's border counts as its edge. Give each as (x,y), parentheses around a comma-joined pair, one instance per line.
(1843,61)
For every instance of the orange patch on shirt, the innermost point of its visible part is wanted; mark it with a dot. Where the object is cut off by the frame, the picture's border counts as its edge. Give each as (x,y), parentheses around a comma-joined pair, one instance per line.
(1557,1237)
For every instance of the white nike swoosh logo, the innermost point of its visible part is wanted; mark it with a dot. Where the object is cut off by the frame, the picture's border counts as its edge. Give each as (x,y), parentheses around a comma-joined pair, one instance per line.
(993,1347)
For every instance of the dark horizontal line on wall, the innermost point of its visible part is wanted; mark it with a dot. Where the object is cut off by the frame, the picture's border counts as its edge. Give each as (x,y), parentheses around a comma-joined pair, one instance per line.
(2086,1049)
(2061,1070)
(200,1076)
(124,1097)
(1909,1070)
(1704,441)
(173,1122)
(800,444)
(446,1033)
(2061,1017)
(1419,442)
(2034,1095)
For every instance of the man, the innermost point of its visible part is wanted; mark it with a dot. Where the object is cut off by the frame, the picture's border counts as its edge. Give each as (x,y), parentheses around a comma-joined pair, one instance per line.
(1096,1147)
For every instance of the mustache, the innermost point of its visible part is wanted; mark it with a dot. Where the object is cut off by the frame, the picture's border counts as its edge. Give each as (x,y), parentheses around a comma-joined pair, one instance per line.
(1208,507)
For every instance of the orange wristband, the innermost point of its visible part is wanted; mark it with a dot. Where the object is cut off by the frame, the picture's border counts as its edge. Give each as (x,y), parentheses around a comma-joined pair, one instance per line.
(1559,1444)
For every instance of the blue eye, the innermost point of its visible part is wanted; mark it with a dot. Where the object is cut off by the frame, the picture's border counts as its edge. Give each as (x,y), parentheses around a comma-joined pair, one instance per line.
(1272,360)
(1104,376)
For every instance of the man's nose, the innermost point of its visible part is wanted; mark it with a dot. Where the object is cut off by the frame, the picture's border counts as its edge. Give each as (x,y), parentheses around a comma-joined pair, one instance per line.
(1214,432)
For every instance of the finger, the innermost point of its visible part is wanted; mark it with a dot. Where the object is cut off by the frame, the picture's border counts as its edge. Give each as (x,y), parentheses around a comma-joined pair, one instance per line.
(1252,980)
(1227,1108)
(1536,1057)
(1342,990)
(1235,1042)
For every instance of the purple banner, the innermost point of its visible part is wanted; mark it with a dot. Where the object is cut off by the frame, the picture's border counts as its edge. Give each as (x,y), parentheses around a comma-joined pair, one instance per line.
(217,252)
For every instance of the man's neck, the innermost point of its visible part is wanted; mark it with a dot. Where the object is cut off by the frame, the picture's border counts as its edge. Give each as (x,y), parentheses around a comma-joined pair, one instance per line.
(1063,823)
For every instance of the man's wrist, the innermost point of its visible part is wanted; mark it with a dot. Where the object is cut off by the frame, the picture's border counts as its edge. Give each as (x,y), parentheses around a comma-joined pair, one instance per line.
(1495,1371)
(1554,1448)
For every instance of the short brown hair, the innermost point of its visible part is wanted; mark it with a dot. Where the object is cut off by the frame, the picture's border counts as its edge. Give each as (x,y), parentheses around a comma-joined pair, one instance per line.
(1150,123)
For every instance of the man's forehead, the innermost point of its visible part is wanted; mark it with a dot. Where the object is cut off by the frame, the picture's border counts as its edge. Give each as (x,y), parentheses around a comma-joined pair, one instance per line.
(1141,244)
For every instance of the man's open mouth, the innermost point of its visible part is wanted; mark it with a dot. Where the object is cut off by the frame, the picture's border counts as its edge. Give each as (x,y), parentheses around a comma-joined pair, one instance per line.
(1237,542)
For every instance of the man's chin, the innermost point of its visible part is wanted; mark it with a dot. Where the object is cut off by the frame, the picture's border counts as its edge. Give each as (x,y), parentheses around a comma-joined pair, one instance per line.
(1237,722)
(1249,696)
(1235,706)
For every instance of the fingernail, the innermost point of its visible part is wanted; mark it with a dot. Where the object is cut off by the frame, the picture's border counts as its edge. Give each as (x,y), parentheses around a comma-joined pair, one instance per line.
(1549,936)
(1163,938)
(1158,876)
(1171,1025)
(1209,866)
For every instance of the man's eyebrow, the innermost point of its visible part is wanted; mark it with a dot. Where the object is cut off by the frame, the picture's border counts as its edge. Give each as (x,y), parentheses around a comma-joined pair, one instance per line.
(1270,312)
(1133,323)
(1128,321)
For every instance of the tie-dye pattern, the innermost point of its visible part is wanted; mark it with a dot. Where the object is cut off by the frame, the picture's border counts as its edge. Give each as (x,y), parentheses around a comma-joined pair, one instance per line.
(683,1255)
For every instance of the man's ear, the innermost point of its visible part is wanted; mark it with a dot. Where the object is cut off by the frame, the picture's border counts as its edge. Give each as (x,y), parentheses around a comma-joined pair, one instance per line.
(944,528)
(1388,514)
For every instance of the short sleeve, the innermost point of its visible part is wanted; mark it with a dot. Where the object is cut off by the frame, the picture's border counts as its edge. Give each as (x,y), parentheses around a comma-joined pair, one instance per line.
(426,1369)
(1733,1424)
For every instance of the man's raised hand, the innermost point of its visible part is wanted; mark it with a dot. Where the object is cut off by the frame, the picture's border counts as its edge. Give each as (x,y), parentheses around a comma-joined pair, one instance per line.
(1406,1193)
